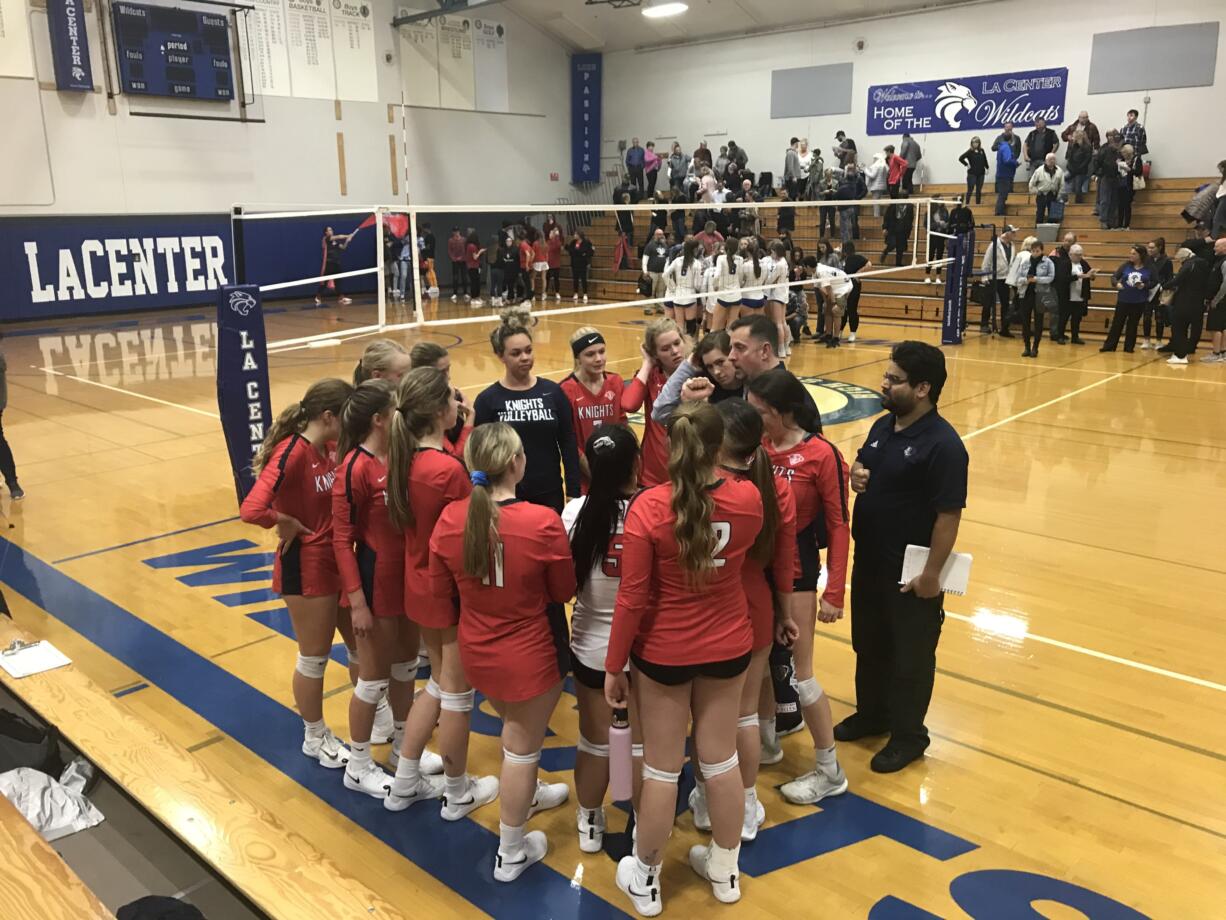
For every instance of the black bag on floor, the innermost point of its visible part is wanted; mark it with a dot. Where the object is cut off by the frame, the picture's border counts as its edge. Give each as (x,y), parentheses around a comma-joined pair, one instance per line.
(24,744)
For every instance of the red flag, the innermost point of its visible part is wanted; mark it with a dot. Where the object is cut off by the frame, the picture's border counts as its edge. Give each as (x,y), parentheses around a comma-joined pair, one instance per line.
(369,222)
(397,224)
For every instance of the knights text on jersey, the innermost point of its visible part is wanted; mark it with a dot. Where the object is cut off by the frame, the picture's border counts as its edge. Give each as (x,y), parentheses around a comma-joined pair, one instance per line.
(591,410)
(296,481)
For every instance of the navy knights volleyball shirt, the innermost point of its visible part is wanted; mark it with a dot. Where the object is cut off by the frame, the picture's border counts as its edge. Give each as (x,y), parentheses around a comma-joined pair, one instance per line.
(542,417)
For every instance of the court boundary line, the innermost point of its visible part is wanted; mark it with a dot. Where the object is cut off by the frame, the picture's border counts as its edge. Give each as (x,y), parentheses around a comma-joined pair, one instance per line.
(132,393)
(172,533)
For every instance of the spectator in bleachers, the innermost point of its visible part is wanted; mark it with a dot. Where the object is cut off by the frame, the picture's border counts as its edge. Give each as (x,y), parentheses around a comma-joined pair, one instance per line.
(1079,293)
(1217,227)
(851,188)
(651,167)
(722,161)
(1046,184)
(845,151)
(1008,137)
(791,169)
(710,239)
(807,158)
(976,163)
(1191,287)
(1133,134)
(1006,169)
(8,468)
(581,253)
(910,151)
(1039,143)
(659,213)
(876,178)
(1217,306)
(899,217)
(1077,158)
(1129,169)
(455,252)
(1160,264)
(738,155)
(1133,280)
(994,273)
(938,224)
(1105,170)
(829,188)
(678,165)
(707,184)
(1084,125)
(1063,261)
(897,171)
(653,263)
(702,155)
(635,157)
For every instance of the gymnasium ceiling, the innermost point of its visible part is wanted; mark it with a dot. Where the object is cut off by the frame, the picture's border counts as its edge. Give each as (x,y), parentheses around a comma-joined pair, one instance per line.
(604,28)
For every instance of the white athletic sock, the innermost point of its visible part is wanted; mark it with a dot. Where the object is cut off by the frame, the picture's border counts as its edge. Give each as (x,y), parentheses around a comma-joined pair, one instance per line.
(510,840)
(751,797)
(314,729)
(642,871)
(766,730)
(408,774)
(397,734)
(359,755)
(827,760)
(453,786)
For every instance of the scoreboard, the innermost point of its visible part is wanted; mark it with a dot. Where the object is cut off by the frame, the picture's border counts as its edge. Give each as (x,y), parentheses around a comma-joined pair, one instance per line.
(166,51)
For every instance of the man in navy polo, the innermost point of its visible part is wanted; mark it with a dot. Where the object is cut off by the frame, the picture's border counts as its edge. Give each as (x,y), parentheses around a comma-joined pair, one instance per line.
(910,476)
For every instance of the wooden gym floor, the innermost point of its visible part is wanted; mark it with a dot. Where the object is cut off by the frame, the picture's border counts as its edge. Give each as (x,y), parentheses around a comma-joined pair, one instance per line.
(1079,719)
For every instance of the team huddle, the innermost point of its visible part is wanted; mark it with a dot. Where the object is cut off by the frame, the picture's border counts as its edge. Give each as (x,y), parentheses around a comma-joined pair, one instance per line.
(410,521)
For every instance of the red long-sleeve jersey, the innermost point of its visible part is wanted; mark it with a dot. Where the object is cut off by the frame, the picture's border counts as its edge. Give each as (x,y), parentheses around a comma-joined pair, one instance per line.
(636,396)
(660,614)
(817,474)
(589,410)
(758,591)
(297,481)
(369,549)
(436,479)
(511,647)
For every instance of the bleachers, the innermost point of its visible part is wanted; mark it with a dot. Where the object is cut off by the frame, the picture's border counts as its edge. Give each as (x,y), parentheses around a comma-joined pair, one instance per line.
(904,295)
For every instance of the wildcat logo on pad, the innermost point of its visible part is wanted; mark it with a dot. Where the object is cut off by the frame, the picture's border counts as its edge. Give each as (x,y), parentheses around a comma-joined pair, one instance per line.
(241,302)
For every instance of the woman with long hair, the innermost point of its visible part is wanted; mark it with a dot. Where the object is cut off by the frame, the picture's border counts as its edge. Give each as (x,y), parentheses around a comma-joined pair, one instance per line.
(473,253)
(539,412)
(432,354)
(728,285)
(817,473)
(595,524)
(743,457)
(595,394)
(510,564)
(423,479)
(752,275)
(370,558)
(684,275)
(296,466)
(682,621)
(382,359)
(663,349)
(777,272)
(1133,280)
(1164,270)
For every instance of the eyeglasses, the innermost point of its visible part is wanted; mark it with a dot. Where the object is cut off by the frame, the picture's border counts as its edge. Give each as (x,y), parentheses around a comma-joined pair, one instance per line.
(893,379)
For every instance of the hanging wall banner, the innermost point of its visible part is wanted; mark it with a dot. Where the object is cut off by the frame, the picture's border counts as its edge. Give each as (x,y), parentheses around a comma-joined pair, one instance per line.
(262,36)
(353,50)
(457,89)
(419,60)
(968,103)
(15,57)
(309,28)
(585,74)
(490,65)
(69,46)
(242,379)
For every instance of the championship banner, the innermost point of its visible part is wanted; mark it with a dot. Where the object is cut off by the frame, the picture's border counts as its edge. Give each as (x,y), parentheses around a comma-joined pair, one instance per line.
(968,103)
(957,281)
(69,46)
(585,74)
(242,379)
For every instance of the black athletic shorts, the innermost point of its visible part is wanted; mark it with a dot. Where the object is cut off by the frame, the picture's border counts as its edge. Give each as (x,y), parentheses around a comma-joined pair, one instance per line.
(810,559)
(588,677)
(671,675)
(1217,319)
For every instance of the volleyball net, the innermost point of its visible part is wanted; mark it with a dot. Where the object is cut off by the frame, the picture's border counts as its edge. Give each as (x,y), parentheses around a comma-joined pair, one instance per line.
(384,268)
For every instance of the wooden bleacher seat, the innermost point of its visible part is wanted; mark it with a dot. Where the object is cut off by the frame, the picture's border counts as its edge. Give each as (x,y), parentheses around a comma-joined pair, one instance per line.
(279,871)
(36,882)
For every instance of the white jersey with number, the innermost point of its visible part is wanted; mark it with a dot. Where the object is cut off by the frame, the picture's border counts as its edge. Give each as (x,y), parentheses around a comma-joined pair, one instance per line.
(834,278)
(777,278)
(592,620)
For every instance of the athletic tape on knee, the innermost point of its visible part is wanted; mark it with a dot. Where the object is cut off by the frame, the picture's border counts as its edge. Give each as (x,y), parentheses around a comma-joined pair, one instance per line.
(596,750)
(509,757)
(636,750)
(370,691)
(660,776)
(405,672)
(749,721)
(434,689)
(809,690)
(712,770)
(457,702)
(312,666)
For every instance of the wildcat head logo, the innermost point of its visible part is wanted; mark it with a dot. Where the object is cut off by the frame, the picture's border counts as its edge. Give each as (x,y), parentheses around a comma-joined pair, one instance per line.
(241,302)
(952,100)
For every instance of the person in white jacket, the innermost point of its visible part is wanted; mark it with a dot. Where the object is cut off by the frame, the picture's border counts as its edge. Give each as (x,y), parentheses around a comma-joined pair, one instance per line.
(1031,275)
(685,272)
(1046,184)
(994,274)
(876,176)
(777,272)
(727,285)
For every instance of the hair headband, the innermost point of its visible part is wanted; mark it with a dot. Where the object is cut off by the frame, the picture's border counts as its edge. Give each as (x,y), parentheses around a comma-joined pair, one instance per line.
(579,346)
(479,478)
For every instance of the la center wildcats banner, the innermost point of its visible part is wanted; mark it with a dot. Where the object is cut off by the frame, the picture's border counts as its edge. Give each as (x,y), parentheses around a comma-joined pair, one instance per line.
(968,103)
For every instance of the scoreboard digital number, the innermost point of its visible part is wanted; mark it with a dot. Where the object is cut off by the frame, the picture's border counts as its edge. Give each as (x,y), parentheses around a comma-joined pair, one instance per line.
(167,51)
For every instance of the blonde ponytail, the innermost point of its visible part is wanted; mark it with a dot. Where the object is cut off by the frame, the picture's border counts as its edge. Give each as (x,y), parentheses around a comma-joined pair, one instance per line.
(695,433)
(489,453)
(422,395)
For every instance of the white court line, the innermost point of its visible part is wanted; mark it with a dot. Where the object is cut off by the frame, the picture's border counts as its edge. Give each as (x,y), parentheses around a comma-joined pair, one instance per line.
(1050,402)
(1114,659)
(107,386)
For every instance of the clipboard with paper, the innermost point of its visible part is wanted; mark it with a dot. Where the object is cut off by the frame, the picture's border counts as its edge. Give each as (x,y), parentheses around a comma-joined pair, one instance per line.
(955,574)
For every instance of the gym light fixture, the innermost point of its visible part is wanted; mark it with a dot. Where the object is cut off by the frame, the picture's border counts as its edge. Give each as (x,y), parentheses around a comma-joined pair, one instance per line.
(658,9)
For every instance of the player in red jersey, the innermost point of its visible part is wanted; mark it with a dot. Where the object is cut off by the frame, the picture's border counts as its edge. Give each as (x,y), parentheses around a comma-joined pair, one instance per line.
(370,559)
(595,394)
(432,354)
(296,466)
(818,476)
(424,477)
(682,620)
(663,349)
(510,563)
(767,576)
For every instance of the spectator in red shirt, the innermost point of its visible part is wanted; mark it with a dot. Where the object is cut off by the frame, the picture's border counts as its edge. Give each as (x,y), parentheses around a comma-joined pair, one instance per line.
(897,170)
(682,620)
(710,239)
(473,251)
(455,252)
(553,256)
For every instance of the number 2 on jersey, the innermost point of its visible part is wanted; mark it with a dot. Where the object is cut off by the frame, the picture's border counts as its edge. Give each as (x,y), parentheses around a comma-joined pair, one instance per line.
(723,534)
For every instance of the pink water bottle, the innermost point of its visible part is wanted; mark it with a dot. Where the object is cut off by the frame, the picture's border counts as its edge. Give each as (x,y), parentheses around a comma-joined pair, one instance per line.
(621,758)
